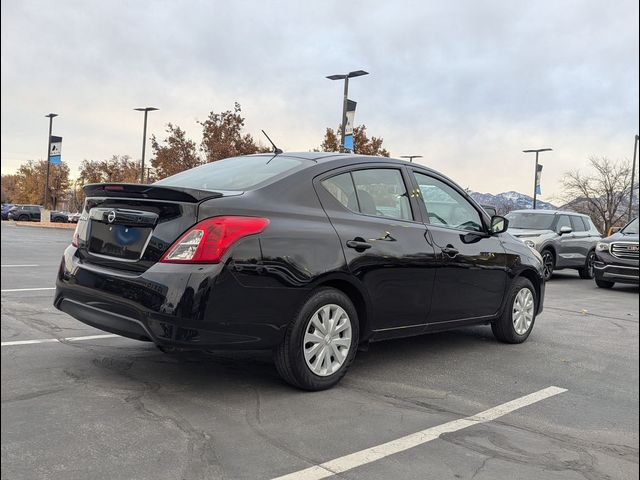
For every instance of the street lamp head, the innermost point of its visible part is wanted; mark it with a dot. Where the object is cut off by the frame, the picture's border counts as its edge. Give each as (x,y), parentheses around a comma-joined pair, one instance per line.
(337,77)
(357,73)
(538,150)
(146,109)
(51,115)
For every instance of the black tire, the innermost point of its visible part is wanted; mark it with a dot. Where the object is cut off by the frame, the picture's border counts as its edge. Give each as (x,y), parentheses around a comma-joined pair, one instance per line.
(604,283)
(548,263)
(503,328)
(289,355)
(588,271)
(23,218)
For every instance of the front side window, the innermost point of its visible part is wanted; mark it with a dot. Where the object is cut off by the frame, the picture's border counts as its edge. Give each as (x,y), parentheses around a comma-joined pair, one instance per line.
(446,206)
(563,221)
(577,225)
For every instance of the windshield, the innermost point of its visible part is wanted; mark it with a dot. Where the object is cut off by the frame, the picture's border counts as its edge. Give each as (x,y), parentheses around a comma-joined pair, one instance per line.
(530,221)
(631,228)
(236,173)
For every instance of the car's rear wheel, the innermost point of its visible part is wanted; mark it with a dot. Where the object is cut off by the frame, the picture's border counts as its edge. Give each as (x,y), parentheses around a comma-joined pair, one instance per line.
(548,263)
(588,271)
(604,283)
(516,322)
(320,343)
(23,218)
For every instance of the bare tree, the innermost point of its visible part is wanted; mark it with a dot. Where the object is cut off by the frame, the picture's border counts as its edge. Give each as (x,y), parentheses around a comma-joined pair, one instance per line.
(602,193)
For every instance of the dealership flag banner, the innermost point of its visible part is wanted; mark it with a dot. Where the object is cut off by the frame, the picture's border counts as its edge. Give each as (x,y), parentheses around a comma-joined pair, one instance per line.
(55,150)
(538,178)
(348,129)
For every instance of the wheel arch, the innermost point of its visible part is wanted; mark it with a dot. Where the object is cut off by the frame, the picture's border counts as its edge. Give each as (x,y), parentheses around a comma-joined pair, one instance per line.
(356,294)
(535,280)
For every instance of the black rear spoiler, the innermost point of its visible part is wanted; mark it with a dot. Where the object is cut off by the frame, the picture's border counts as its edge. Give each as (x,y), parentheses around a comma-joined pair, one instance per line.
(138,190)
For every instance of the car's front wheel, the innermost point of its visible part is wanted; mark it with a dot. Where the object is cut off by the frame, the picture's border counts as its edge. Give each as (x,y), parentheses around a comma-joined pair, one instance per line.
(548,263)
(588,271)
(604,283)
(516,322)
(320,343)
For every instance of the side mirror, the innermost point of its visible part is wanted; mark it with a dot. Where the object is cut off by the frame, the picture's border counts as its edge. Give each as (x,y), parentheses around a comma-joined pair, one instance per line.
(565,229)
(498,224)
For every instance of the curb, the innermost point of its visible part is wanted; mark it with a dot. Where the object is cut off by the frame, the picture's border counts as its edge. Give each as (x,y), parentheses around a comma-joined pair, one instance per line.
(60,226)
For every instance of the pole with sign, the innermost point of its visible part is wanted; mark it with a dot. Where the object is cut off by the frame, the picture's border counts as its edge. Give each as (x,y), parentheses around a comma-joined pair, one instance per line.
(348,129)
(50,116)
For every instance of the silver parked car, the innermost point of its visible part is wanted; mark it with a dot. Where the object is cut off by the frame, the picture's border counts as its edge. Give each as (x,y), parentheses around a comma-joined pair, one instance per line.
(564,239)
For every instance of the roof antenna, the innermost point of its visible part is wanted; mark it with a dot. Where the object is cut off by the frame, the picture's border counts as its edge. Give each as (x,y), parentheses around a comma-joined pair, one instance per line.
(276,150)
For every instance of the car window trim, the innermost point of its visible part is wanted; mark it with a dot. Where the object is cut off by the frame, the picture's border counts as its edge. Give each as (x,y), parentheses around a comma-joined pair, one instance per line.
(370,166)
(423,206)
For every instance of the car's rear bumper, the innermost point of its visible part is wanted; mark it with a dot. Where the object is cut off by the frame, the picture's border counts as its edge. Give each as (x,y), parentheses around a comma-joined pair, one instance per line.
(188,306)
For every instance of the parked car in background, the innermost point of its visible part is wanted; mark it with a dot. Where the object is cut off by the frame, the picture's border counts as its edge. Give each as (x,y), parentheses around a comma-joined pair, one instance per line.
(59,217)
(617,257)
(564,239)
(5,210)
(25,213)
(305,254)
(74,217)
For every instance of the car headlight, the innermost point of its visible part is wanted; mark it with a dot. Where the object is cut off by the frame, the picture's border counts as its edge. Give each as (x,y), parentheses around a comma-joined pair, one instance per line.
(530,243)
(602,247)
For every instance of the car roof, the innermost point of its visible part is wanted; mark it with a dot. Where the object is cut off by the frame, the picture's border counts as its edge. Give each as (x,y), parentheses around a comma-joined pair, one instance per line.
(549,212)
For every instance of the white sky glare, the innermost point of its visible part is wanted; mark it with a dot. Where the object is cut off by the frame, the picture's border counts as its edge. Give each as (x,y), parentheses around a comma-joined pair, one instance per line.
(466,84)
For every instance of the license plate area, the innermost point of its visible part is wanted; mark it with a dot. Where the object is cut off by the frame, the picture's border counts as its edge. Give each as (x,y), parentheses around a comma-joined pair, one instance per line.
(123,242)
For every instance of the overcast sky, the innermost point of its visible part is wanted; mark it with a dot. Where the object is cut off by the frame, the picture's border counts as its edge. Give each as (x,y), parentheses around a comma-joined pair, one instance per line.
(466,84)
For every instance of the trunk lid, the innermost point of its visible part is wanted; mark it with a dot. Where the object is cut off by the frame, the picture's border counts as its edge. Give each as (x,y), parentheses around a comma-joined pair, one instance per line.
(130,226)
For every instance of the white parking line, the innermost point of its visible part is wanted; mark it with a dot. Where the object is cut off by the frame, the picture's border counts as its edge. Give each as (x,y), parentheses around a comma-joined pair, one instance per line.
(27,289)
(58,340)
(11,266)
(357,459)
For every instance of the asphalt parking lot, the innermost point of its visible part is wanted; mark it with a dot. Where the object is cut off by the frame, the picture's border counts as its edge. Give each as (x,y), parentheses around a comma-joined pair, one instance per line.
(107,407)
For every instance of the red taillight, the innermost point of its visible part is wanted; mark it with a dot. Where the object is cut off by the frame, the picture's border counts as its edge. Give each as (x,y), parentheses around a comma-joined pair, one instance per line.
(207,241)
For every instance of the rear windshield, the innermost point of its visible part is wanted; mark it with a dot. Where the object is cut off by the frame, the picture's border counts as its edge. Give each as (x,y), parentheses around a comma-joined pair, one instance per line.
(236,173)
(530,221)
(632,228)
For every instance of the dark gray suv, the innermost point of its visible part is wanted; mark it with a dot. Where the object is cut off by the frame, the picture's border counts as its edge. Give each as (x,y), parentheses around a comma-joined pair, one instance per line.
(564,239)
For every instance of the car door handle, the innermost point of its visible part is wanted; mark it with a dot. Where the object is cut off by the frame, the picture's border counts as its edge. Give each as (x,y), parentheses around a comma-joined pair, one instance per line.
(450,250)
(358,244)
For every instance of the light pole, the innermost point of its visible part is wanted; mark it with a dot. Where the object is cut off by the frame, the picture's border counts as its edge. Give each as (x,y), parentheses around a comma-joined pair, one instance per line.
(345,77)
(410,157)
(50,116)
(146,111)
(535,175)
(633,175)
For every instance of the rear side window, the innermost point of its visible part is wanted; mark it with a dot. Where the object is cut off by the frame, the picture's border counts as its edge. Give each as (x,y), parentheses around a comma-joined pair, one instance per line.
(577,224)
(587,225)
(382,192)
(341,187)
(236,173)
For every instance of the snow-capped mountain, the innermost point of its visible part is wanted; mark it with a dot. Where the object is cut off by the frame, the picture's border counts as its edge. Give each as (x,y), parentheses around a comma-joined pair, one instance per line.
(507,201)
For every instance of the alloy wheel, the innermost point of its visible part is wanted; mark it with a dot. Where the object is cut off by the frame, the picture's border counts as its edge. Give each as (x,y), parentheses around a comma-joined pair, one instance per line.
(547,263)
(523,311)
(327,340)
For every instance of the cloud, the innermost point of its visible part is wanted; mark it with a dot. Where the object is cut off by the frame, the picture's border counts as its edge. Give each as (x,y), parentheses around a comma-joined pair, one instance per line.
(468,85)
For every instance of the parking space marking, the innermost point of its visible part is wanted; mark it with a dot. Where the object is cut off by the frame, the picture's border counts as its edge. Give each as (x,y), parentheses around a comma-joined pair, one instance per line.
(13,266)
(58,340)
(27,289)
(363,457)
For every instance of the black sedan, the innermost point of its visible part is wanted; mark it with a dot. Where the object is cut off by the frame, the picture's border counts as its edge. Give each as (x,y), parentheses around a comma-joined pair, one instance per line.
(307,254)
